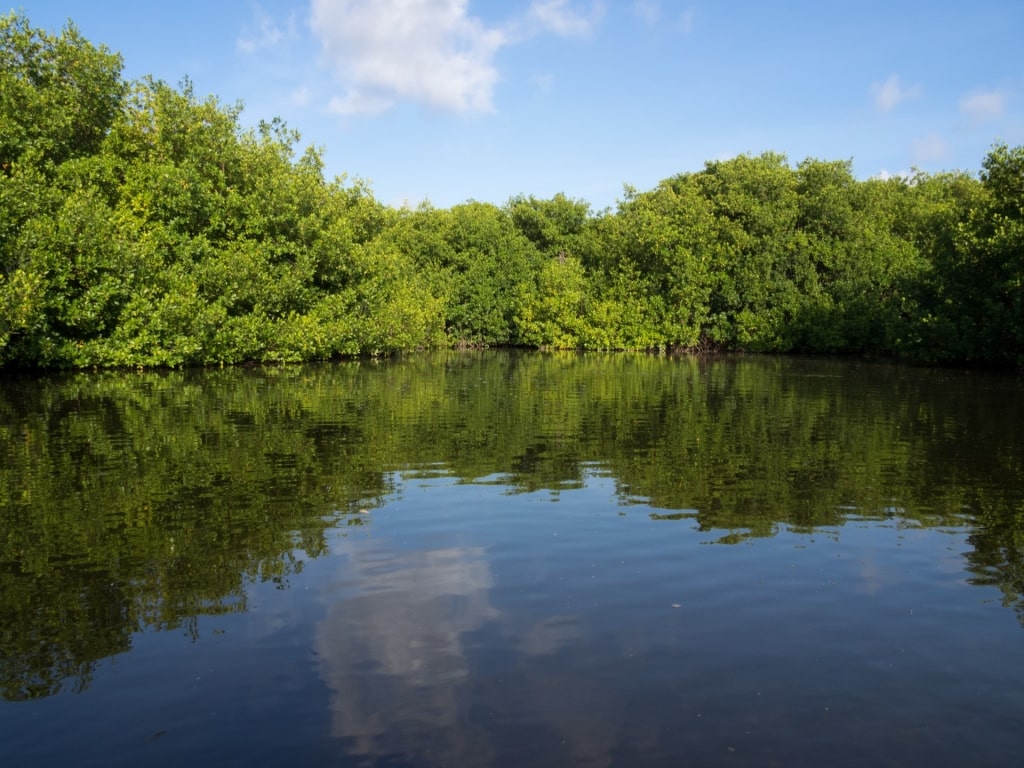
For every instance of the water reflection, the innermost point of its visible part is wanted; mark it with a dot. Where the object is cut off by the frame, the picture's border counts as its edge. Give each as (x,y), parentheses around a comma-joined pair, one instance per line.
(146,501)
(392,651)
(424,669)
(533,584)
(633,644)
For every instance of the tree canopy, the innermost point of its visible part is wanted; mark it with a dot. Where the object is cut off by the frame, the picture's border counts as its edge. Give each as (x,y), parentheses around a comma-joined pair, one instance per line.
(144,225)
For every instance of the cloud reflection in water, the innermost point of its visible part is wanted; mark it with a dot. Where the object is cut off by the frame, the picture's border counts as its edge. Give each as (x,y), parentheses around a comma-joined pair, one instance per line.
(392,652)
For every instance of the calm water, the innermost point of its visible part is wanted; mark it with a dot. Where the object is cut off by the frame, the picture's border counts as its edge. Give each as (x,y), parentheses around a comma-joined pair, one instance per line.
(513,559)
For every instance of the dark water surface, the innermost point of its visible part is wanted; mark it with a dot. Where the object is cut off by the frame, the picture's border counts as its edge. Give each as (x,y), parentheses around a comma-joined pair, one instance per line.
(513,560)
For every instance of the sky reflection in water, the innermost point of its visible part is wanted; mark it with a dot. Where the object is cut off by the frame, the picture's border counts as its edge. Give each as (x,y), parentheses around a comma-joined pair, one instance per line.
(506,560)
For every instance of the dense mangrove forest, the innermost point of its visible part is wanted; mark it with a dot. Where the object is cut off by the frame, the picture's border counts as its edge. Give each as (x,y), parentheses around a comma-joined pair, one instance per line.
(144,225)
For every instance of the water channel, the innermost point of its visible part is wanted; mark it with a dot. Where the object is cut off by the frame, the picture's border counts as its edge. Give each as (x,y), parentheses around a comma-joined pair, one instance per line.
(505,559)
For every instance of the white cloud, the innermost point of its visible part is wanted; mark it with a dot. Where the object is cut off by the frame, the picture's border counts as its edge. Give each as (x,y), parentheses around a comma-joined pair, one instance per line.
(983,106)
(890,93)
(433,52)
(264,33)
(560,17)
(429,51)
(929,149)
(357,103)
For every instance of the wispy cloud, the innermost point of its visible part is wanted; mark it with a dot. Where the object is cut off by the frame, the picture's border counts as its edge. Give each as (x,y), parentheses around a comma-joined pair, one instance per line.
(983,106)
(652,13)
(892,92)
(359,103)
(544,82)
(649,11)
(930,149)
(431,52)
(686,20)
(264,32)
(563,18)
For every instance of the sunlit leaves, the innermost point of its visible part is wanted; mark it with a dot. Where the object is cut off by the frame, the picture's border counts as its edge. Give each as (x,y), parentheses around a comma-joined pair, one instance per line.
(58,93)
(142,224)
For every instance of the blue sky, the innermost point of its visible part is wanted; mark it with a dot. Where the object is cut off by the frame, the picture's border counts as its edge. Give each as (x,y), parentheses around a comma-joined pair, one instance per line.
(450,100)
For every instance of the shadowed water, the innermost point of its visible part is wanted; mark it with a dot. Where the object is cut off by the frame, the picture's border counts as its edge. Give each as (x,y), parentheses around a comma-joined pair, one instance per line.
(513,559)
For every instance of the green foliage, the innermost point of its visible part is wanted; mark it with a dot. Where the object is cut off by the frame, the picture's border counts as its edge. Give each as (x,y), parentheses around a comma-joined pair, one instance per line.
(476,262)
(994,245)
(971,235)
(555,227)
(143,501)
(141,225)
(491,259)
(58,94)
(853,263)
(183,239)
(555,314)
